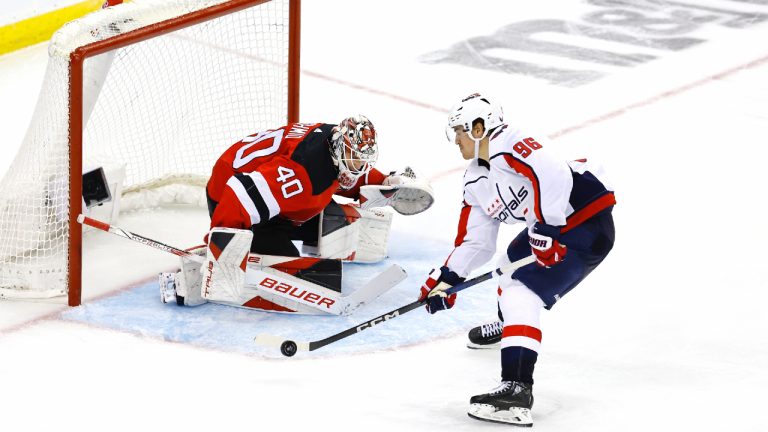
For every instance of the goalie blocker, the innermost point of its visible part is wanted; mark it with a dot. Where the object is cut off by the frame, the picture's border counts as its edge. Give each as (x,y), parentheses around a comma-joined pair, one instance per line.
(232,276)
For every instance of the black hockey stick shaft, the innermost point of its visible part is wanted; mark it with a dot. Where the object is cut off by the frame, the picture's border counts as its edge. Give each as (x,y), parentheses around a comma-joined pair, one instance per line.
(364,326)
(411,306)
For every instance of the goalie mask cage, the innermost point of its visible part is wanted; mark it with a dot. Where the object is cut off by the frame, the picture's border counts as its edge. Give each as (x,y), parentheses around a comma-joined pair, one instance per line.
(161,86)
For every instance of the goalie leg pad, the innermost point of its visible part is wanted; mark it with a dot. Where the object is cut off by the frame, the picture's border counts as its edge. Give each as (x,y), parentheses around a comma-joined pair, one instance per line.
(223,273)
(338,232)
(373,235)
(350,233)
(289,284)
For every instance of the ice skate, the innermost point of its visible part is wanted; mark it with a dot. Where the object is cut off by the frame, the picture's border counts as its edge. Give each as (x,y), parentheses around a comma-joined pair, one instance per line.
(509,403)
(167,282)
(485,336)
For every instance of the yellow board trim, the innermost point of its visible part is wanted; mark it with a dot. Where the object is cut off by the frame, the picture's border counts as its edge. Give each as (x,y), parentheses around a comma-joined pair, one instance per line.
(40,28)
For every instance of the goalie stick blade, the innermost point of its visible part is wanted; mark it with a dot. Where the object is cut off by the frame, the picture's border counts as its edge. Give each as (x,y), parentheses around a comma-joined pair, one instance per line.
(375,287)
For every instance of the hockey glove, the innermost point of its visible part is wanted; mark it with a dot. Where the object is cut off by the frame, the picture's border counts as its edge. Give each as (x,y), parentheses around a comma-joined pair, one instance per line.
(433,290)
(544,243)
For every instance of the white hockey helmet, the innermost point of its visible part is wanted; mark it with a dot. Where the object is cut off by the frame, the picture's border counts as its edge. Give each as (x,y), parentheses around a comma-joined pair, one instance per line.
(471,108)
(354,149)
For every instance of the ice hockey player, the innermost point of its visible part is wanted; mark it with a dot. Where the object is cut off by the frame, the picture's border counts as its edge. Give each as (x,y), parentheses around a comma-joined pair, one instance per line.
(276,186)
(566,206)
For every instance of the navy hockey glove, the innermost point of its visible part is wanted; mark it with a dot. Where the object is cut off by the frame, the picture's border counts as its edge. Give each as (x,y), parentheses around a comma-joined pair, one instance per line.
(544,243)
(433,290)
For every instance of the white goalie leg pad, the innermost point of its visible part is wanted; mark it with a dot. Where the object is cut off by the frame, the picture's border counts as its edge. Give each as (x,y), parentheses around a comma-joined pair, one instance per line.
(223,273)
(338,234)
(266,284)
(272,289)
(290,292)
(285,284)
(373,235)
(357,235)
(261,300)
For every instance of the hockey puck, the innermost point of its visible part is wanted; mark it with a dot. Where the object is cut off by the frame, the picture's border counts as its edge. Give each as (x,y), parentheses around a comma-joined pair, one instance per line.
(288,348)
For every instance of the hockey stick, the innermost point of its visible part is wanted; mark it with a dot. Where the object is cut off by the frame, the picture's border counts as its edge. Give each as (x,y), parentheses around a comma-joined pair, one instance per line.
(289,348)
(85,220)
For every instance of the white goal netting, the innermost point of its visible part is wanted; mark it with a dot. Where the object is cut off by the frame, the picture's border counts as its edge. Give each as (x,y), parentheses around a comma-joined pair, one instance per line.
(164,108)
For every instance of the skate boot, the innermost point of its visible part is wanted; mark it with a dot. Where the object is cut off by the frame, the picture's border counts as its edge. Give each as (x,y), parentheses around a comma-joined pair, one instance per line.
(485,336)
(509,403)
(167,282)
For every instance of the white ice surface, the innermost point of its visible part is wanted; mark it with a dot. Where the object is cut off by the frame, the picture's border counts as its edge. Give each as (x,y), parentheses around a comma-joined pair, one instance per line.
(668,334)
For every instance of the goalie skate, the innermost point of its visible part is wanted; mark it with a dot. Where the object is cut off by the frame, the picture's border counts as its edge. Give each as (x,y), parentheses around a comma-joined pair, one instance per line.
(167,282)
(486,336)
(509,403)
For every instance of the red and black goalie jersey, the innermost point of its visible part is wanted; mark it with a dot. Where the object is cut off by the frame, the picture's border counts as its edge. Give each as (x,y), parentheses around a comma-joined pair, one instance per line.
(286,172)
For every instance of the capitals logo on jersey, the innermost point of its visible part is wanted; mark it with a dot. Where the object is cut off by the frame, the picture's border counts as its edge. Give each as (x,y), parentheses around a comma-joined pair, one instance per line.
(506,203)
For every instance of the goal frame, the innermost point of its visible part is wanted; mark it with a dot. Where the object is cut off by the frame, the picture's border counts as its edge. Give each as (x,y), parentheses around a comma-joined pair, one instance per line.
(77,60)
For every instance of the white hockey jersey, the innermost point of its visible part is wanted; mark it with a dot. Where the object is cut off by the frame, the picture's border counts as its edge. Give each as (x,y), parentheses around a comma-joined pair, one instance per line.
(523,182)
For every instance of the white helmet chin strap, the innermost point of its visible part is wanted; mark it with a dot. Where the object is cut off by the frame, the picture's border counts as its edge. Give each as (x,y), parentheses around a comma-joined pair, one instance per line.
(477,142)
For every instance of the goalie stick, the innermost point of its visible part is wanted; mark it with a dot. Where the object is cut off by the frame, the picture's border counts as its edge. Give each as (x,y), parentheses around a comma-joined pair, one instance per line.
(85,220)
(289,348)
(368,292)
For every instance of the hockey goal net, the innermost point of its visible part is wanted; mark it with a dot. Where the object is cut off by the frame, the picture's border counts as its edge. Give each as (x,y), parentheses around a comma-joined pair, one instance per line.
(156,87)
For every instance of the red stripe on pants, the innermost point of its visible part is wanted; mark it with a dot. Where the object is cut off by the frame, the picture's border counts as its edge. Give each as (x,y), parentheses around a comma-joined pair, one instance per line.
(522,330)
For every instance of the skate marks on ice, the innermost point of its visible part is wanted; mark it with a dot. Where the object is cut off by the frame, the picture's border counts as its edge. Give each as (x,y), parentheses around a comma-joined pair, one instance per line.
(138,310)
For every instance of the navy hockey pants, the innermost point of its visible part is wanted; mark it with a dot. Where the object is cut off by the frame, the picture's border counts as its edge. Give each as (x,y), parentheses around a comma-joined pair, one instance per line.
(588,245)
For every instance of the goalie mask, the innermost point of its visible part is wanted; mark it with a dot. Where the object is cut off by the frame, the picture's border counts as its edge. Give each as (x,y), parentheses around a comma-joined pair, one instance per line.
(354,149)
(471,108)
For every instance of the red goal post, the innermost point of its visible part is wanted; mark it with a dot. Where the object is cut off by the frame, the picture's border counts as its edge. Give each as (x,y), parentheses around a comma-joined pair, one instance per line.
(83,113)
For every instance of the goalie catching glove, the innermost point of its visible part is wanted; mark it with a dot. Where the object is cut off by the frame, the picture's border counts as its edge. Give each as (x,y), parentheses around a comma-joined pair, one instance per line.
(404,192)
(433,290)
(394,179)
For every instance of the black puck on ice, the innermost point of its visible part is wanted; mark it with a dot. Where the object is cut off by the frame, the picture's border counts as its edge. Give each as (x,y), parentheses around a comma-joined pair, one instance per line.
(288,348)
